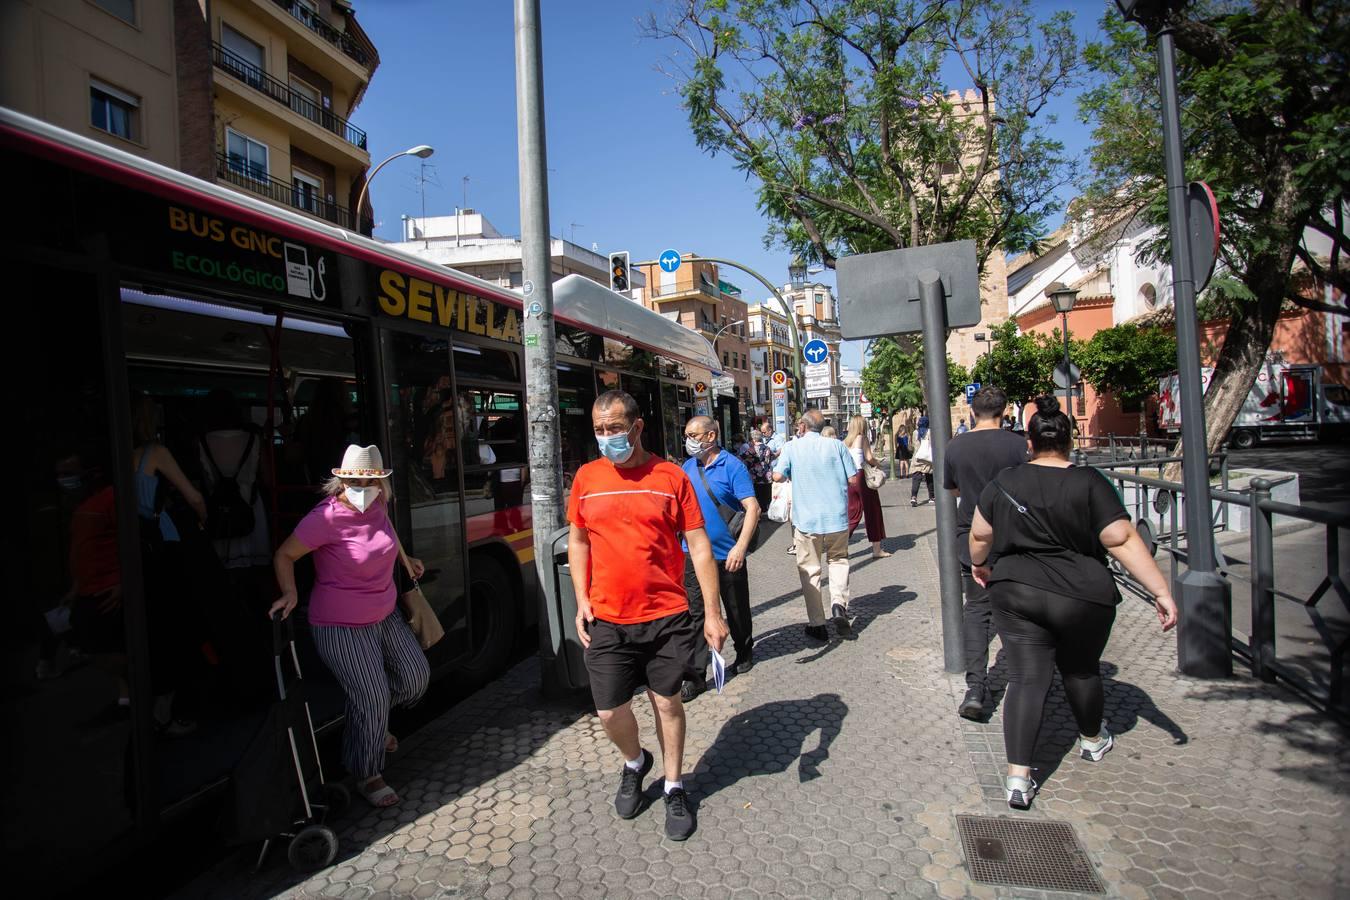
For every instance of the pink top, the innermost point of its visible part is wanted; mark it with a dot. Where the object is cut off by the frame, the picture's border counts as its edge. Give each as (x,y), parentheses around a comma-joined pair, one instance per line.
(354,557)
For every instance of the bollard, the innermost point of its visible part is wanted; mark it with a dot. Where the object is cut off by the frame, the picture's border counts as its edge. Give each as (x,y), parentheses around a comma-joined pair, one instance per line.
(1263,582)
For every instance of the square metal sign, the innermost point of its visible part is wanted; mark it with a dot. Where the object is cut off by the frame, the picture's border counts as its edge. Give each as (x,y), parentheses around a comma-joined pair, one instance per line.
(879,292)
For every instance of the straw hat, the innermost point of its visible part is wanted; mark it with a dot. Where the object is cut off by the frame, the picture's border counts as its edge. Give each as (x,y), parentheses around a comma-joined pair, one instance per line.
(362,462)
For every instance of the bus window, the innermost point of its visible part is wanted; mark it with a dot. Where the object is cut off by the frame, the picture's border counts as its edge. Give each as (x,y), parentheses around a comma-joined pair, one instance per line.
(576,396)
(645,392)
(481,362)
(67,705)
(427,424)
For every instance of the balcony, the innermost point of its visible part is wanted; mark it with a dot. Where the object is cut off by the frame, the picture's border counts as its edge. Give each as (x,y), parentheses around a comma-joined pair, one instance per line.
(315,23)
(236,171)
(690,292)
(256,78)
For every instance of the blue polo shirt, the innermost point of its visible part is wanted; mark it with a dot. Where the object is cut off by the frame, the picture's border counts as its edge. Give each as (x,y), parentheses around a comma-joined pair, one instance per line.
(730,480)
(819,469)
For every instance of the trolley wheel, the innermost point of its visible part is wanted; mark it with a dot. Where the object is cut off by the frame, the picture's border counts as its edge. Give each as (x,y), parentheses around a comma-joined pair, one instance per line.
(313,848)
(336,797)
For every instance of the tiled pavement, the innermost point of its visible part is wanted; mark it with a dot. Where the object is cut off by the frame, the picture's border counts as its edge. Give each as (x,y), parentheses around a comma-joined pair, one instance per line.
(838,771)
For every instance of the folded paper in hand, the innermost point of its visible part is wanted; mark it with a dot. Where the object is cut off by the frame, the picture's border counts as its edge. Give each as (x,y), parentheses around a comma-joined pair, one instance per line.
(719,666)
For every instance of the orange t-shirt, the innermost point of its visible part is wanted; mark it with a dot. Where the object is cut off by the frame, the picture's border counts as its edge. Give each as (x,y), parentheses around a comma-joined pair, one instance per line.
(634,518)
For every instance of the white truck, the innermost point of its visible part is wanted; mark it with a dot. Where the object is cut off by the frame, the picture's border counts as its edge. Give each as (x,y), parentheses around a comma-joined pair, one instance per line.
(1287,401)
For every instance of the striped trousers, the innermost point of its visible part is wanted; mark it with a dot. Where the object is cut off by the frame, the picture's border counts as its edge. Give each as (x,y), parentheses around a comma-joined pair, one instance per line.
(379,666)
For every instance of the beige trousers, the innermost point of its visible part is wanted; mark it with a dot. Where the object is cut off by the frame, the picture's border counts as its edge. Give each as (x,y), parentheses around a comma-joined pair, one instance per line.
(814,551)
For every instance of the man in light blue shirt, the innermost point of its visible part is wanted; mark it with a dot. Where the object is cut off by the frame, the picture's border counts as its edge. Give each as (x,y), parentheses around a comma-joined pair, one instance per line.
(820,470)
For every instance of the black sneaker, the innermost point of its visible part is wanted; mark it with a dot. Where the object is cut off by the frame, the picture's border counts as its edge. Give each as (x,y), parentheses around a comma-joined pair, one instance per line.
(691,689)
(841,623)
(972,707)
(629,798)
(745,661)
(818,633)
(679,815)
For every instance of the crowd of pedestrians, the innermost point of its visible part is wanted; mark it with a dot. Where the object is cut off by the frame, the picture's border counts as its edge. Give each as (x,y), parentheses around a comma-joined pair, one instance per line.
(657,554)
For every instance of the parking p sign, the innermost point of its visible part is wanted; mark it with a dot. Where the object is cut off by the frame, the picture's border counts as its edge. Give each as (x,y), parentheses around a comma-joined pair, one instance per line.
(970,391)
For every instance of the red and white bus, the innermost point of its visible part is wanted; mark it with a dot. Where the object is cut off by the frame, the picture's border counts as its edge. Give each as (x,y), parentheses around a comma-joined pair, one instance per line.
(160,308)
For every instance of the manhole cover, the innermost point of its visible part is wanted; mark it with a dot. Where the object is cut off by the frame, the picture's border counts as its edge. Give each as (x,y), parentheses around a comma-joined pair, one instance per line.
(1026,853)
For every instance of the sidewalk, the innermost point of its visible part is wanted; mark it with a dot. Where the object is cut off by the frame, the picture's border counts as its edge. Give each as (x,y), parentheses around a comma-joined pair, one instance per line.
(839,771)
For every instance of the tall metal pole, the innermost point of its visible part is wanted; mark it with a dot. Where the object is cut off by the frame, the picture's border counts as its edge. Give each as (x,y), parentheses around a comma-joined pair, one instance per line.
(1068,382)
(541,373)
(934,309)
(1204,635)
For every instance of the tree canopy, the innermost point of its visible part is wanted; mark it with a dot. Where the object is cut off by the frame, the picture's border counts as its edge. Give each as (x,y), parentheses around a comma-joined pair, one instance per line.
(1265,95)
(1128,361)
(843,112)
(1021,364)
(893,377)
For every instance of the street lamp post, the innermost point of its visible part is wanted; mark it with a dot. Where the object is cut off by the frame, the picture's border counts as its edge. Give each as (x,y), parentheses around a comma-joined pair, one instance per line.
(718,334)
(1063,298)
(1204,635)
(421,151)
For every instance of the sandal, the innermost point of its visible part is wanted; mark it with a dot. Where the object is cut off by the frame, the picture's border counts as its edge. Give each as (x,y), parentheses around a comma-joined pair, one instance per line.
(390,743)
(380,797)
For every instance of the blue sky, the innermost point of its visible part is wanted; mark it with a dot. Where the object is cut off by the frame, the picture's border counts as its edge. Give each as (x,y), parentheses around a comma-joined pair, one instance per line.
(625,172)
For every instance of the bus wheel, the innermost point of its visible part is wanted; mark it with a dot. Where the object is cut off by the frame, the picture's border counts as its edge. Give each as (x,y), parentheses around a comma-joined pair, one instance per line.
(494,618)
(1244,439)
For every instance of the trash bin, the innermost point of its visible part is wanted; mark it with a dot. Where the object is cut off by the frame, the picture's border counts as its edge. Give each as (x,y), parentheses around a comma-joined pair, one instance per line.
(562,657)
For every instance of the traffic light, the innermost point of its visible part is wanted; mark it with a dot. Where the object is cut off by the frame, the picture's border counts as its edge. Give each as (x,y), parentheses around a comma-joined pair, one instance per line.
(618,271)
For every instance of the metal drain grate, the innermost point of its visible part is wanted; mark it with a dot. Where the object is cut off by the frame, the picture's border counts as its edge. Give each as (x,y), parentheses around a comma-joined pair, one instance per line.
(1027,853)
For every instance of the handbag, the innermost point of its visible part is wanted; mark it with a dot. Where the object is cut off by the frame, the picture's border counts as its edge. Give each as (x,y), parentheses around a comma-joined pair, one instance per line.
(925,451)
(734,519)
(874,476)
(422,619)
(780,507)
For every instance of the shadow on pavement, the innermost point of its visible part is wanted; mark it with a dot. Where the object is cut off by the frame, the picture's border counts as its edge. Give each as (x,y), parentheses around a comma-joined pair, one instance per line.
(766,739)
(1126,704)
(789,639)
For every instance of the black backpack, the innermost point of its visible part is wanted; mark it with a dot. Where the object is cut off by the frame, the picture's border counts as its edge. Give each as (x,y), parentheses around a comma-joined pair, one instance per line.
(228,513)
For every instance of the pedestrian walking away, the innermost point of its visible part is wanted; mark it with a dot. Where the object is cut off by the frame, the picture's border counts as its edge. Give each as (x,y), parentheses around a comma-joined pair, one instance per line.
(726,496)
(626,512)
(359,631)
(1039,542)
(921,470)
(820,470)
(863,500)
(972,460)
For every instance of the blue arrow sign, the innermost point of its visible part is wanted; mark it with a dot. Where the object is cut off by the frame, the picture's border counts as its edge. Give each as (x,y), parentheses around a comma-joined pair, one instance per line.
(816,351)
(669,260)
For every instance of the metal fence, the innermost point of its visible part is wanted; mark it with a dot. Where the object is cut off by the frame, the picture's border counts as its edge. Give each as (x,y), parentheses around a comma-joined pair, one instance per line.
(1156,500)
(312,20)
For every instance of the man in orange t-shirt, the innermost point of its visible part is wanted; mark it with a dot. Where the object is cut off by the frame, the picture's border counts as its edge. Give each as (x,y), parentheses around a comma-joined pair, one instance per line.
(627,511)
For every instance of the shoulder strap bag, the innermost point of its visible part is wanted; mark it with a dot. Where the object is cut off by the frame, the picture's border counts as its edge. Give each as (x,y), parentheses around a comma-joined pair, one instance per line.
(734,519)
(1027,513)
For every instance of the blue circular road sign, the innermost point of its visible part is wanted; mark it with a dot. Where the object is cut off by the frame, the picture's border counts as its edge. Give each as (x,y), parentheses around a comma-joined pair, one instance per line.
(816,351)
(669,260)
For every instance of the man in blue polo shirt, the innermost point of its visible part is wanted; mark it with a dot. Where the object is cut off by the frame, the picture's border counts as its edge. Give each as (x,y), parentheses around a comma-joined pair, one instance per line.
(723,486)
(820,470)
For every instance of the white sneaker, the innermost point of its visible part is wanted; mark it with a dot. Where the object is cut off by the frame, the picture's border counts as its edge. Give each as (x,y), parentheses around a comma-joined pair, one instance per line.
(1020,791)
(1094,750)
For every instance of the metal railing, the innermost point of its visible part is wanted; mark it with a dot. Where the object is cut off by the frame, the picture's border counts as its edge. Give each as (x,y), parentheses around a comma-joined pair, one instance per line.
(315,23)
(1128,446)
(657,291)
(1259,647)
(238,172)
(256,78)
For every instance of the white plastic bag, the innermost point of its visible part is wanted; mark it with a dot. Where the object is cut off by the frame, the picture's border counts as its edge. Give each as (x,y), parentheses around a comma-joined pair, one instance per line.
(780,507)
(925,451)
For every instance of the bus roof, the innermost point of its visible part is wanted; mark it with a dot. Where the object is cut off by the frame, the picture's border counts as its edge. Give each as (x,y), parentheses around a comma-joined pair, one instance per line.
(639,325)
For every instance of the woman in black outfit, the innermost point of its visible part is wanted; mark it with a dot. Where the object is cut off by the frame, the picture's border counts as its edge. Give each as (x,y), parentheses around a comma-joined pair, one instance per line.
(1039,541)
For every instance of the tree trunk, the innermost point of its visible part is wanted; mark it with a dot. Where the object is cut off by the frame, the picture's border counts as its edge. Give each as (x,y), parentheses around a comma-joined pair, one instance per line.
(1249,335)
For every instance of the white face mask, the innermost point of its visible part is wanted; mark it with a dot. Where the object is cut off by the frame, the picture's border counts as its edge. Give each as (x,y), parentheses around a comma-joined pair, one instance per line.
(362,497)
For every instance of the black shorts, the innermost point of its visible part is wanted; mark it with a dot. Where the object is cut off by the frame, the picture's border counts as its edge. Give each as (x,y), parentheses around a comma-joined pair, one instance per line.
(659,654)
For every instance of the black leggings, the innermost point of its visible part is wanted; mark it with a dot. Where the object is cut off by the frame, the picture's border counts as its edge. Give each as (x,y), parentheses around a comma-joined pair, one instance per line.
(1043,631)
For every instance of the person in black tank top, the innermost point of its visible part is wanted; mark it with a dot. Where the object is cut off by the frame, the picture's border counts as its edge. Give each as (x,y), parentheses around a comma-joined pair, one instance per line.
(1039,541)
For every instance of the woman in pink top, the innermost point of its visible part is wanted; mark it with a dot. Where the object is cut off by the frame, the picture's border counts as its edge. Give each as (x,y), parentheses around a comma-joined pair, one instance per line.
(353,613)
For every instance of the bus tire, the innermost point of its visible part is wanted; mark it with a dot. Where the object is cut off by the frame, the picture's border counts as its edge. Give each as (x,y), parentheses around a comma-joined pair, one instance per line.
(1244,439)
(494,616)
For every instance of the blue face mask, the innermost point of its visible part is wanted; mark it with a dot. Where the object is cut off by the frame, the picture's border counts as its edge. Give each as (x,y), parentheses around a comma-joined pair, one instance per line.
(615,447)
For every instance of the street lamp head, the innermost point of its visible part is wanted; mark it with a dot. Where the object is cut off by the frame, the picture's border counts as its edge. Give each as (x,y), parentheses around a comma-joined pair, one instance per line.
(979,335)
(1147,12)
(1061,295)
(421,151)
(797,272)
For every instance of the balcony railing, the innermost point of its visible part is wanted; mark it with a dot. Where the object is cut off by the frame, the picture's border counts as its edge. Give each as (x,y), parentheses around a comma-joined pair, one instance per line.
(710,294)
(237,171)
(256,78)
(315,23)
